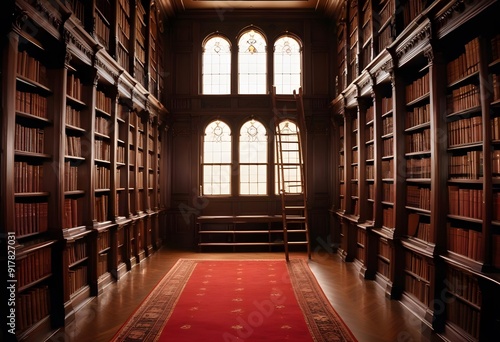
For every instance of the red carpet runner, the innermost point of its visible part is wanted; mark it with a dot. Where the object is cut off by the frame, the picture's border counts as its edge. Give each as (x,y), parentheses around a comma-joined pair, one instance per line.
(234,300)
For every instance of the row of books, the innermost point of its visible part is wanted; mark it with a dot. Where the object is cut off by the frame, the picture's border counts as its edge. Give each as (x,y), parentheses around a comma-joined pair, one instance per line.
(419,229)
(383,268)
(386,10)
(418,116)
(103,102)
(77,251)
(418,197)
(387,125)
(32,306)
(418,142)
(495,128)
(388,147)
(370,172)
(101,177)
(35,266)
(463,285)
(417,265)
(465,131)
(31,218)
(102,31)
(31,103)
(31,68)
(78,8)
(70,177)
(102,125)
(496,87)
(418,168)
(388,217)
(388,168)
(102,150)
(368,134)
(73,117)
(369,114)
(101,208)
(123,57)
(465,202)
(419,289)
(465,316)
(28,177)
(102,264)
(417,88)
(385,39)
(29,139)
(71,213)
(354,156)
(384,249)
(370,154)
(388,192)
(120,154)
(370,195)
(73,146)
(468,166)
(467,242)
(465,64)
(463,98)
(412,8)
(103,240)
(74,86)
(77,278)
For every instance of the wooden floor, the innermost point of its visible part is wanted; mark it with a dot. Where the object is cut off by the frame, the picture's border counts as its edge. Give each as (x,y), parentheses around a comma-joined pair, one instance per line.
(361,303)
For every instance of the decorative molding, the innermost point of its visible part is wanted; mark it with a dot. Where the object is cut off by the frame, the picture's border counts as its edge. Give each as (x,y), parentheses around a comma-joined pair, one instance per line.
(458,6)
(70,38)
(95,81)
(67,57)
(49,14)
(20,17)
(429,53)
(420,36)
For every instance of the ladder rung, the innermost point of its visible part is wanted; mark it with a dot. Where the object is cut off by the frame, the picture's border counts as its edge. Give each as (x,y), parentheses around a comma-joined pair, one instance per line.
(295,207)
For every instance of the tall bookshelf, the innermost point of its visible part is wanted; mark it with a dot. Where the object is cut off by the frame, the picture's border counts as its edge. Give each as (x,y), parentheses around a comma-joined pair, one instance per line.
(123,46)
(352,40)
(140,43)
(432,241)
(70,203)
(366,33)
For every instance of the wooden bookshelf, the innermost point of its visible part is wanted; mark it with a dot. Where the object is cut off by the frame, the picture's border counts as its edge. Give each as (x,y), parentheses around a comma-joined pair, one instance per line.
(70,171)
(435,185)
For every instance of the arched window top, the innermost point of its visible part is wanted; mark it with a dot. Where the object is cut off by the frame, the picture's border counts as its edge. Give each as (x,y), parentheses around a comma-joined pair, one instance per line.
(216,44)
(288,45)
(217,131)
(216,78)
(287,64)
(251,42)
(253,130)
(252,63)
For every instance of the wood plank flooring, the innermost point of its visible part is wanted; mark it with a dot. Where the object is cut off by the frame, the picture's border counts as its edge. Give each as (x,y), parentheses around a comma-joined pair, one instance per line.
(361,303)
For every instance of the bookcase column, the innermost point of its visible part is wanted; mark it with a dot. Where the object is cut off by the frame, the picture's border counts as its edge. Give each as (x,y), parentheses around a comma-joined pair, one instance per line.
(9,67)
(439,176)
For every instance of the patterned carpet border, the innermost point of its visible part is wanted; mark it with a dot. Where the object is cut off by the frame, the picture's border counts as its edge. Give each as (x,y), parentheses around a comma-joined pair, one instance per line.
(148,321)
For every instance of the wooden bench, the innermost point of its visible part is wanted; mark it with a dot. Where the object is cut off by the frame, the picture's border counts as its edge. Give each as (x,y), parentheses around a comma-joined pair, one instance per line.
(234,236)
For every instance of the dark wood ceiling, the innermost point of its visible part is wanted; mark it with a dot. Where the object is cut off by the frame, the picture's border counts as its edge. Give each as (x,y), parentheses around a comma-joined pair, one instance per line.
(327,7)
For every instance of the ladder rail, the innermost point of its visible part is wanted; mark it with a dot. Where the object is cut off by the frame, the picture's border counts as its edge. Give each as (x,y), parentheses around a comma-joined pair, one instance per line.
(285,186)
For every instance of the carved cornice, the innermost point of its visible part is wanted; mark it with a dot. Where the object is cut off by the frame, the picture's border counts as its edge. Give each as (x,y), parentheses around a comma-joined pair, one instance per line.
(48,13)
(101,65)
(458,7)
(70,38)
(416,39)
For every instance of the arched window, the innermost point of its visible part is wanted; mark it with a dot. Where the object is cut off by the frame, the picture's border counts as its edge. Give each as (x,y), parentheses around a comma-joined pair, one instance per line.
(217,159)
(287,65)
(253,158)
(216,65)
(252,63)
(291,160)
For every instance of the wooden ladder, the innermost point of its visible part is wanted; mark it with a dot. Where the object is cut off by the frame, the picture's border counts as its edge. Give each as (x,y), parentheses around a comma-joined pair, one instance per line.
(290,139)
